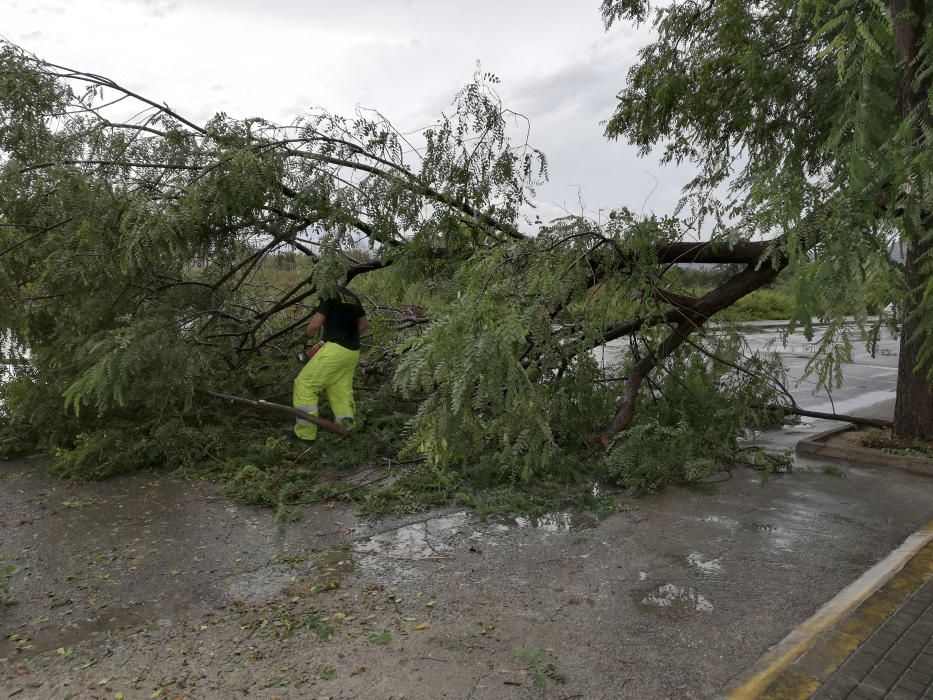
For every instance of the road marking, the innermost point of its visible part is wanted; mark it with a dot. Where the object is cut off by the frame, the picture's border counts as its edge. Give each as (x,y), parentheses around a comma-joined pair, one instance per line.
(773,668)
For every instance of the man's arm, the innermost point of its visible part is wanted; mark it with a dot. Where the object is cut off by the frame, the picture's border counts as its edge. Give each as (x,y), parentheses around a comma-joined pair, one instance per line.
(362,324)
(316,323)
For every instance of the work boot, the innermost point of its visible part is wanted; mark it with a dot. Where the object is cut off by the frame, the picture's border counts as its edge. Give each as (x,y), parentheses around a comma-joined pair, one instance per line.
(288,433)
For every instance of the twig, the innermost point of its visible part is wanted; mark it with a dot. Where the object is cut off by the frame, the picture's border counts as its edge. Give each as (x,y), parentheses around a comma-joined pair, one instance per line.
(287,469)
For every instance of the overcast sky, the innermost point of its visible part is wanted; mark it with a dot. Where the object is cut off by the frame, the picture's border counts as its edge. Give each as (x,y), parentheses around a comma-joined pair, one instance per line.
(277,58)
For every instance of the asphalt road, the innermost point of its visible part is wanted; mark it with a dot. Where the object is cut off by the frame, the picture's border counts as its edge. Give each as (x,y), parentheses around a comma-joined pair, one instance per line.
(868,388)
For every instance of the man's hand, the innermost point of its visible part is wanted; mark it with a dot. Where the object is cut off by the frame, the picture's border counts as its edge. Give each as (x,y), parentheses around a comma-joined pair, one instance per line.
(316,323)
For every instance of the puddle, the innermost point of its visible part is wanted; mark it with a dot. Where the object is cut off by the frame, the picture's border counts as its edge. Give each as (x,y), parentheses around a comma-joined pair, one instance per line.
(559,521)
(259,586)
(780,537)
(24,645)
(673,600)
(337,561)
(430,539)
(720,520)
(704,566)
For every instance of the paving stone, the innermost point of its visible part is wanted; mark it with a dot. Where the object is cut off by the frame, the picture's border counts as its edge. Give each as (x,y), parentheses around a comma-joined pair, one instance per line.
(865,692)
(837,689)
(859,664)
(896,662)
(898,627)
(916,678)
(884,676)
(917,688)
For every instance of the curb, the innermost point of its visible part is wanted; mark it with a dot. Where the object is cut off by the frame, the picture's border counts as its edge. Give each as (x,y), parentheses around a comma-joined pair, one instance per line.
(769,671)
(821,446)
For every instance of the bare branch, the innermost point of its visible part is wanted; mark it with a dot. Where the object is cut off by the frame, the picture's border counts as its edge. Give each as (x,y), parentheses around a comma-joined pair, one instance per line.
(270,407)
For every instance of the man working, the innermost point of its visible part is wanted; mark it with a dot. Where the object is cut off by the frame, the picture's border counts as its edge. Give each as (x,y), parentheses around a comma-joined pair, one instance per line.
(333,365)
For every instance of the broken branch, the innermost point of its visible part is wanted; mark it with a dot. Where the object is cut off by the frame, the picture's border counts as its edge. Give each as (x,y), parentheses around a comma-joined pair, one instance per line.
(270,407)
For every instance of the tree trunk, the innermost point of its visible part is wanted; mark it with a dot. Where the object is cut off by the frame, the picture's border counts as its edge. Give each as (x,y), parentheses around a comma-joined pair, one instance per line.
(913,408)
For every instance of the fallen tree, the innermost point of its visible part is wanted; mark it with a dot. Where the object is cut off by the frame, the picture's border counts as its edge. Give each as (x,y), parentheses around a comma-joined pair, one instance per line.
(144,255)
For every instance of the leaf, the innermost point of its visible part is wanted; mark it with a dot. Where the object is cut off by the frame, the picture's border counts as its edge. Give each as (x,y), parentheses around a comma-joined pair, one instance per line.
(383,638)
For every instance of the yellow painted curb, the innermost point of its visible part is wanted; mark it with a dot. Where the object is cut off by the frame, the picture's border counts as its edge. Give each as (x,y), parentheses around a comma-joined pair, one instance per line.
(770,677)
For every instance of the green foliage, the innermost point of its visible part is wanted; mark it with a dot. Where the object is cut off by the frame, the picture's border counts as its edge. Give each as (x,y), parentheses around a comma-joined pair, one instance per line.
(320,627)
(762,305)
(147,261)
(886,442)
(18,434)
(701,411)
(796,110)
(382,639)
(541,664)
(648,456)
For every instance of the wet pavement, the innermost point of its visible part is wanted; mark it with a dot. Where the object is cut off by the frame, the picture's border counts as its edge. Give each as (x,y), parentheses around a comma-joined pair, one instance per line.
(95,557)
(143,586)
(868,390)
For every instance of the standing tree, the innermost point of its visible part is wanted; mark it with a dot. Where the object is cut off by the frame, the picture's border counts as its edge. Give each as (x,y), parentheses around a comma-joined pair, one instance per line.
(800,111)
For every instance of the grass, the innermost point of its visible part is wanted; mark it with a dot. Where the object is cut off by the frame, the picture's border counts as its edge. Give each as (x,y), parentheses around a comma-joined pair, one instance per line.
(761,305)
(382,639)
(540,664)
(886,441)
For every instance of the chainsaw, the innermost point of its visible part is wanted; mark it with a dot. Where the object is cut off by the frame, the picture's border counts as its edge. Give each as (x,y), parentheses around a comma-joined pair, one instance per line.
(308,353)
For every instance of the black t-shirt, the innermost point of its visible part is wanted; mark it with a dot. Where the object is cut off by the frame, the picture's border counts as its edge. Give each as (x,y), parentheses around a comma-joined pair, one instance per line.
(341,319)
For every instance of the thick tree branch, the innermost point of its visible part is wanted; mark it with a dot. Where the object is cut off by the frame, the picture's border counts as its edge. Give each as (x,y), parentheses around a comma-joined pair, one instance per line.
(721,252)
(629,399)
(269,407)
(855,420)
(689,318)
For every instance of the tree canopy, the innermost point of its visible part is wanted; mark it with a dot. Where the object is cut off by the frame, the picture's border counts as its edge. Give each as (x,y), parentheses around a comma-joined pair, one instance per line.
(809,121)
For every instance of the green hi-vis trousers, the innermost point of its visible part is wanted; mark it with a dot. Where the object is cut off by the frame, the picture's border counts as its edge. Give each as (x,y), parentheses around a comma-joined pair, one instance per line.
(330,369)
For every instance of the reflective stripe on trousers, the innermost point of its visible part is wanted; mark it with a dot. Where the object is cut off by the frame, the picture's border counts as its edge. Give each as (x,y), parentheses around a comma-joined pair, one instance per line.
(307,409)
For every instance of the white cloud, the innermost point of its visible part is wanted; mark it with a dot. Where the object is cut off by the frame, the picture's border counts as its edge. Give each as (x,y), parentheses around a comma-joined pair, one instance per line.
(276,58)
